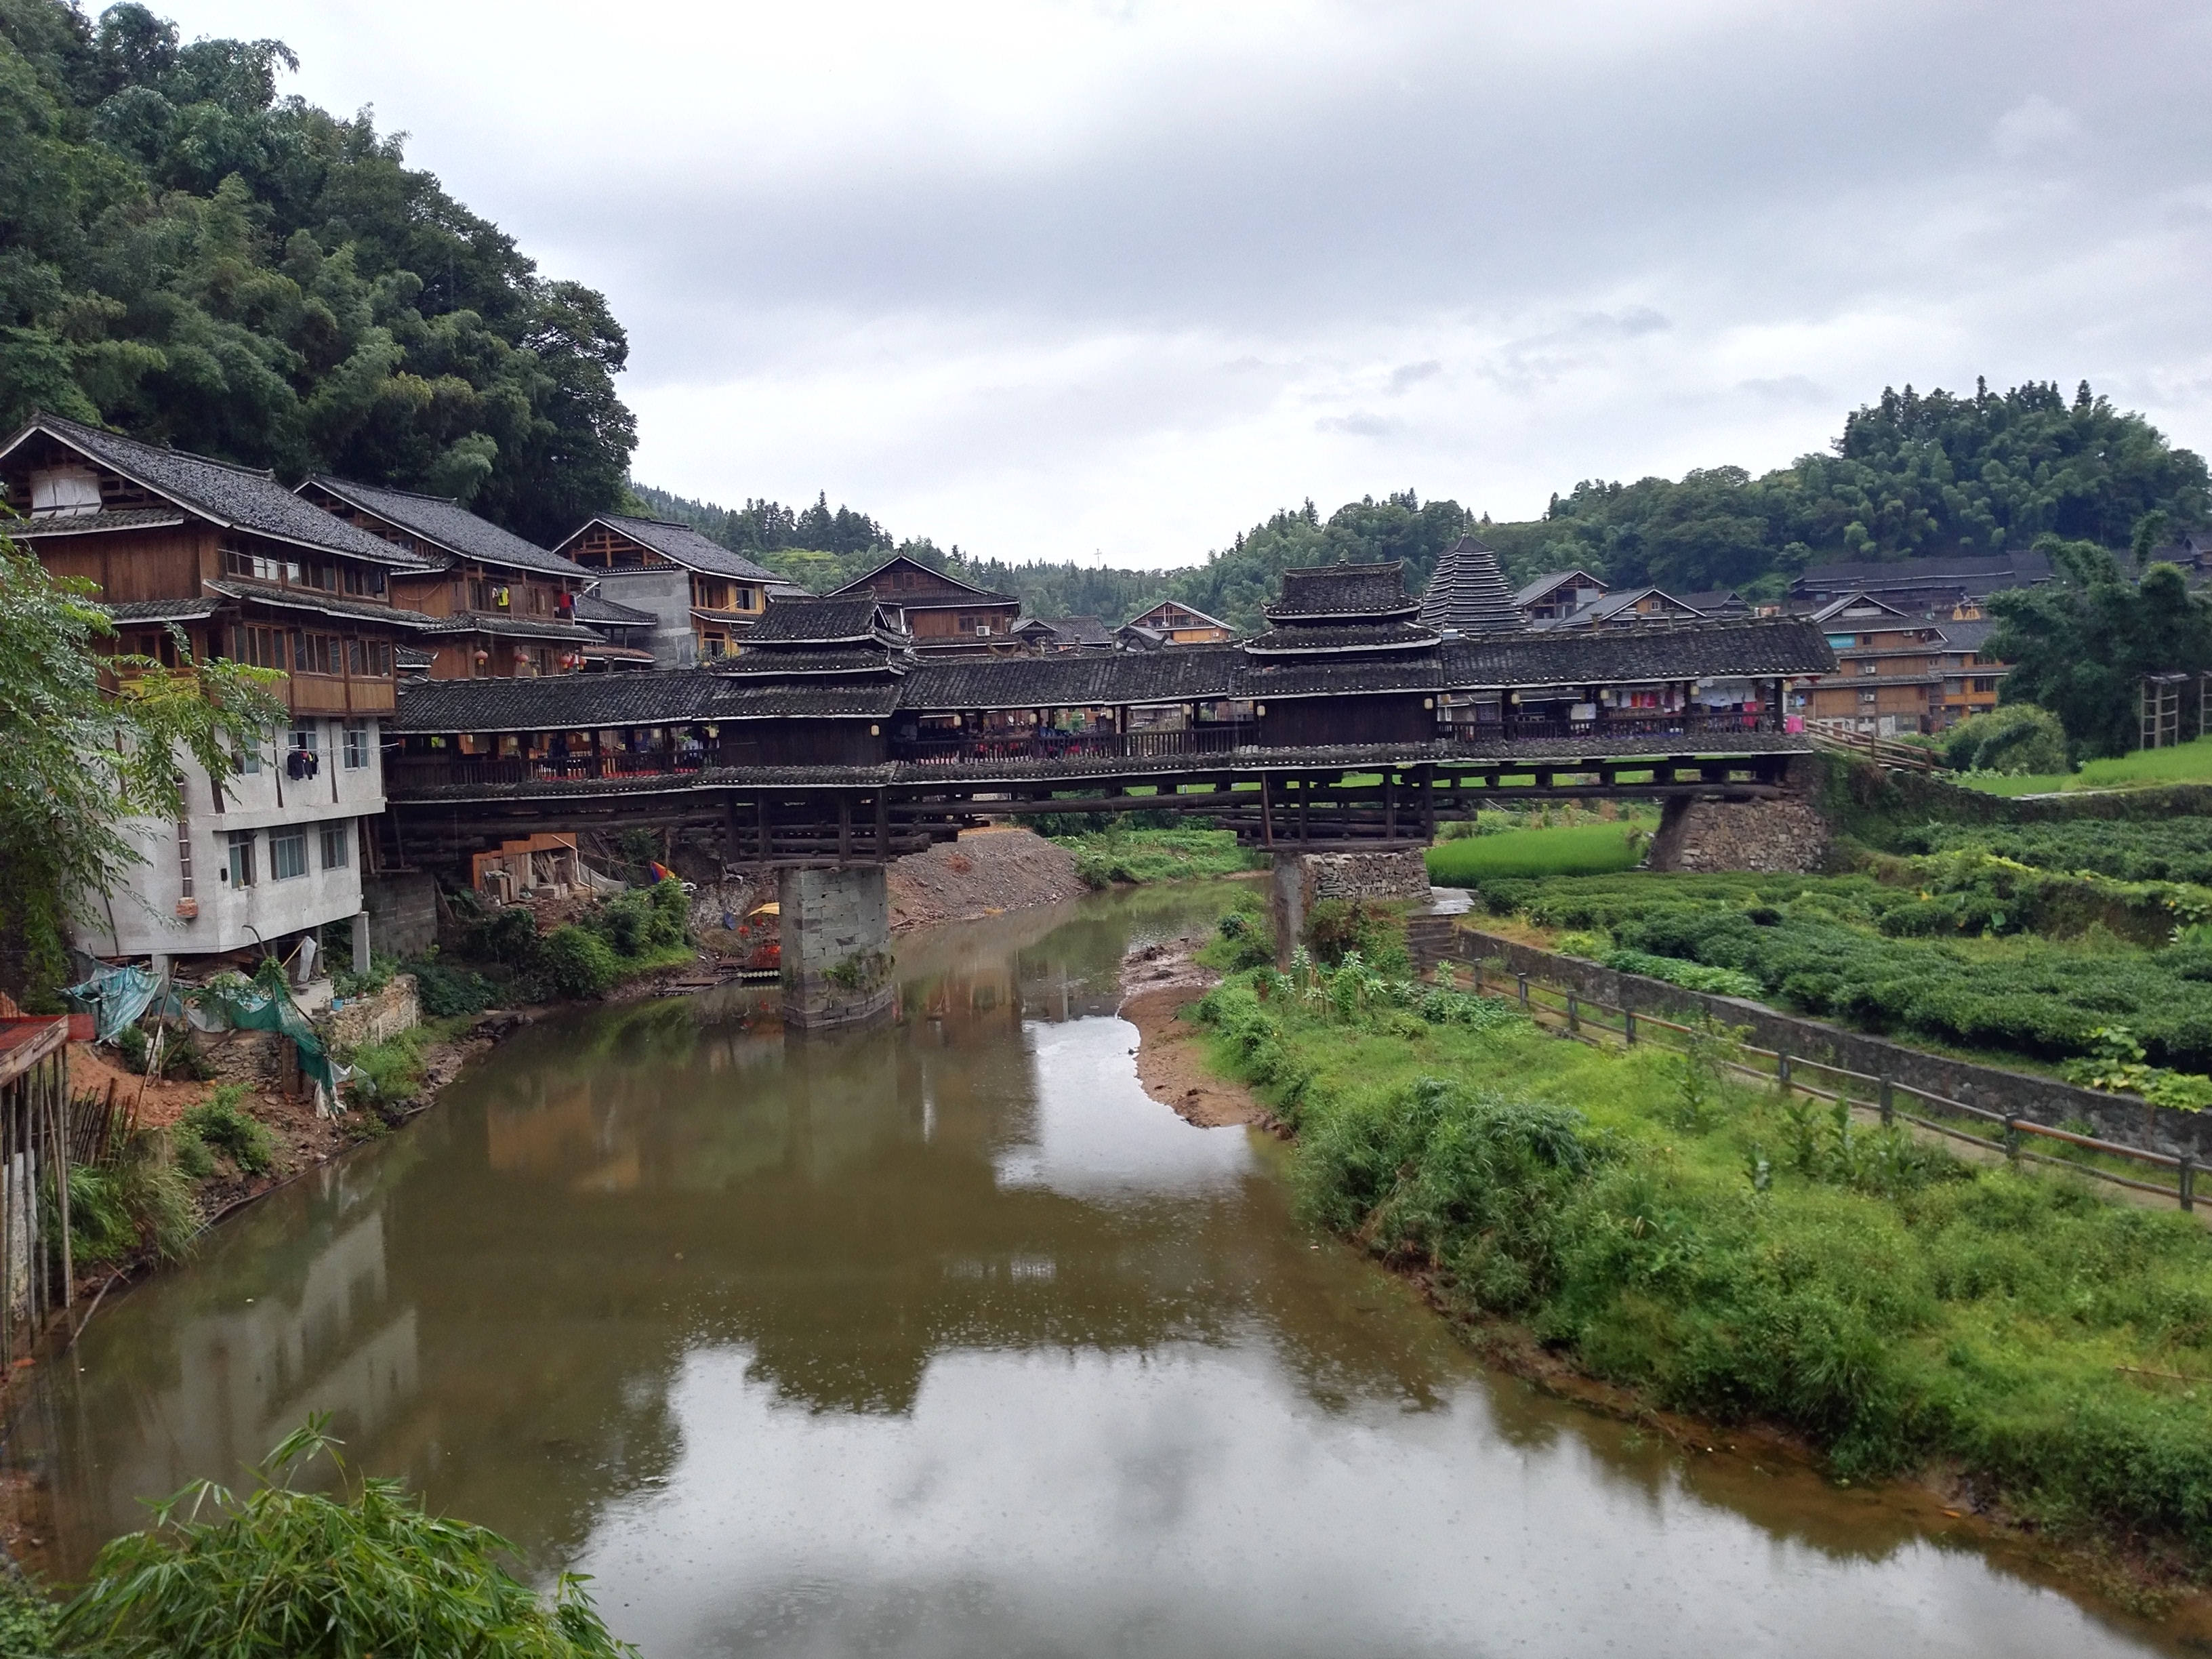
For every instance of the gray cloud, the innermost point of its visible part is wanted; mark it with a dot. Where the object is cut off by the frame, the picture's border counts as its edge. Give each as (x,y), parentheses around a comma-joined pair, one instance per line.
(1595,240)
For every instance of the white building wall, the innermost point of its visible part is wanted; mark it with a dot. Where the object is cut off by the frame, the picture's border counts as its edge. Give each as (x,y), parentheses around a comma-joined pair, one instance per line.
(142,918)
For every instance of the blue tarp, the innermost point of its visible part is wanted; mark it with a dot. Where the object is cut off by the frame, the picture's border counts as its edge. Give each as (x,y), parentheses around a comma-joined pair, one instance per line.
(117,996)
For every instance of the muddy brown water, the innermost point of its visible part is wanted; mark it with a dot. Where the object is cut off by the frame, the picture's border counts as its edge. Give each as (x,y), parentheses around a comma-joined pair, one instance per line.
(945,1340)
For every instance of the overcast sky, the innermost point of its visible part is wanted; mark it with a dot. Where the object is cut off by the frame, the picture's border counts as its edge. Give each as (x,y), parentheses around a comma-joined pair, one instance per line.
(1061,278)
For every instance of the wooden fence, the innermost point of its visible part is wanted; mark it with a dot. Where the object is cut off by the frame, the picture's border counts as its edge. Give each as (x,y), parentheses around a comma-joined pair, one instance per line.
(1594,1022)
(37,1276)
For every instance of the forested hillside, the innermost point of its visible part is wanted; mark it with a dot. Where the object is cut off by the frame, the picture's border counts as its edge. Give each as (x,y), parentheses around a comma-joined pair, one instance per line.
(189,257)
(1911,476)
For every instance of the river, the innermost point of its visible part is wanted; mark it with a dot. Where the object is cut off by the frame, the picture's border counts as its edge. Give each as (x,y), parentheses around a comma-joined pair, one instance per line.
(945,1340)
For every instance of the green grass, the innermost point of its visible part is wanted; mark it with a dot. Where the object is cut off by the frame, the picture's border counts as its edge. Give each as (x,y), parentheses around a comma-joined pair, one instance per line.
(1738,1256)
(1115,857)
(2187,762)
(1575,849)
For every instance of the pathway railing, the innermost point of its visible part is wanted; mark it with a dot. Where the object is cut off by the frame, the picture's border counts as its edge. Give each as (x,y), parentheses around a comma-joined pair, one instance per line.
(406,772)
(1591,1021)
(1210,738)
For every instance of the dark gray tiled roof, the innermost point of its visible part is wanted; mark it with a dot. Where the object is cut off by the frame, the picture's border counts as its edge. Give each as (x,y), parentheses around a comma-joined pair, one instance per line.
(513,628)
(326,604)
(1968,635)
(137,611)
(1699,650)
(848,661)
(445,522)
(681,544)
(1200,674)
(1984,573)
(1072,630)
(1343,637)
(819,622)
(1074,679)
(1343,590)
(968,592)
(1607,606)
(90,524)
(591,608)
(1466,593)
(231,496)
(567,702)
(1716,602)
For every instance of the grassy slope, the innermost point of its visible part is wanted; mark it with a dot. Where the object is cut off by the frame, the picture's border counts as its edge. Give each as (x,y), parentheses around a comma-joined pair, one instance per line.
(1148,856)
(2187,762)
(1577,849)
(1980,1316)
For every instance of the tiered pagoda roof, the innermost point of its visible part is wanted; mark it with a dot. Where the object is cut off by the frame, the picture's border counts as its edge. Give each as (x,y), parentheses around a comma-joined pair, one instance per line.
(1339,608)
(1467,594)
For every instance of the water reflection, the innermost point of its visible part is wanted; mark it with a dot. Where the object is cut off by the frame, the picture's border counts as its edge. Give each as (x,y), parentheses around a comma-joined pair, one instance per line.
(943,1339)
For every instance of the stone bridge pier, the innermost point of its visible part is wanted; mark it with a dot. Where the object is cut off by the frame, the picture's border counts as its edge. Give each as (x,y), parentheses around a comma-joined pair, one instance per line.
(836,946)
(1301,880)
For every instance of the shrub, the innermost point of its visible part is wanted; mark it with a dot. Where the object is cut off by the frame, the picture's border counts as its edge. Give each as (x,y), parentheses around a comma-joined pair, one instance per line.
(219,1124)
(509,935)
(286,1571)
(388,1074)
(1690,976)
(141,1198)
(1337,928)
(445,992)
(2017,738)
(577,962)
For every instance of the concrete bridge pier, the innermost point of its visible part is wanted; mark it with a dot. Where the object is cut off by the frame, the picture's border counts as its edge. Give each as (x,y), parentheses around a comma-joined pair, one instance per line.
(836,946)
(1289,891)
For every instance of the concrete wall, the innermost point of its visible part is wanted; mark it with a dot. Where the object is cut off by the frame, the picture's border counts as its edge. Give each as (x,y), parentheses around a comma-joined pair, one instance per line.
(402,912)
(145,916)
(2047,1101)
(836,931)
(665,591)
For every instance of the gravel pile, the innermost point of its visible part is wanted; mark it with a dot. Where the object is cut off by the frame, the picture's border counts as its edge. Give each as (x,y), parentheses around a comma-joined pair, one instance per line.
(981,874)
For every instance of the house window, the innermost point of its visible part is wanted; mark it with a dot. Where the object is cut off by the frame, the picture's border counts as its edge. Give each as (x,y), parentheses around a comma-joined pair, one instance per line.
(287,854)
(62,492)
(306,738)
(263,647)
(335,837)
(242,858)
(717,645)
(248,759)
(379,653)
(258,567)
(362,584)
(357,745)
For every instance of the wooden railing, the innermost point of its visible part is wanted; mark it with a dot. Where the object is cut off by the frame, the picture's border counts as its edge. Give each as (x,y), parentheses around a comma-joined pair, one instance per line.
(2003,1134)
(403,772)
(950,751)
(1882,751)
(1606,724)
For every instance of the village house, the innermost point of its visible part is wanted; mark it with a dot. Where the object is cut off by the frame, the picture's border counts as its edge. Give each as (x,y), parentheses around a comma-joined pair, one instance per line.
(1170,623)
(941,612)
(1558,594)
(193,555)
(704,597)
(1888,677)
(1920,587)
(503,606)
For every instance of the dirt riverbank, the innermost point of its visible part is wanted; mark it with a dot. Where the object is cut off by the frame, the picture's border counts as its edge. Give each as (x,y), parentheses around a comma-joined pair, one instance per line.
(1158,982)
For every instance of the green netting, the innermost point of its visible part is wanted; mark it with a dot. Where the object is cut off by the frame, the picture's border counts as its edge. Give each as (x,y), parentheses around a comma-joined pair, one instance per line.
(246,1006)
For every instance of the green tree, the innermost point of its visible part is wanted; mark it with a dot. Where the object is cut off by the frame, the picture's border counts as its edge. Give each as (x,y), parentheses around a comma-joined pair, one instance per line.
(195,260)
(86,742)
(2080,645)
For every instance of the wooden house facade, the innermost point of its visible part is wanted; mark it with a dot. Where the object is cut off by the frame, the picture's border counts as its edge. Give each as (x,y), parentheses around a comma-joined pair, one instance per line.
(1176,623)
(194,557)
(941,612)
(724,594)
(501,606)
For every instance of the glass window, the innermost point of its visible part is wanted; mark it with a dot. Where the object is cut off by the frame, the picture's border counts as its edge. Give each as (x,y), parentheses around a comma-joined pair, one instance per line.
(356,745)
(336,837)
(288,854)
(306,738)
(242,858)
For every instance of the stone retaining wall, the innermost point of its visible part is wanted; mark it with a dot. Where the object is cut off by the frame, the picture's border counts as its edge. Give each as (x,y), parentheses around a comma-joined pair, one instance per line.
(2123,1118)
(1785,835)
(1396,875)
(374,1018)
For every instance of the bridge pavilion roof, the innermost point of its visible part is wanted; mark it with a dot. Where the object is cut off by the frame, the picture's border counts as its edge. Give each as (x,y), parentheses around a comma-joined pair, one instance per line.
(797,688)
